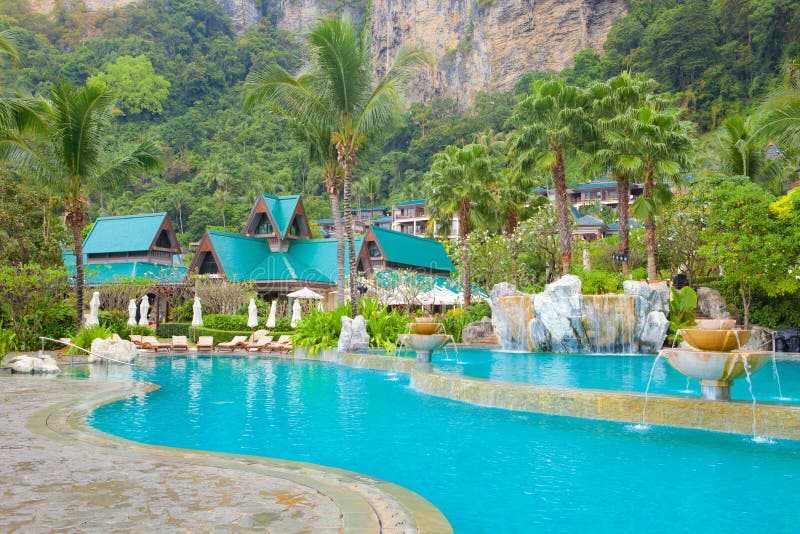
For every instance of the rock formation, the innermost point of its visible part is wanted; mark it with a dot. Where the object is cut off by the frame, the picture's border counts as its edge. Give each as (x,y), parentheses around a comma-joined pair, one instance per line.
(354,334)
(477,46)
(115,349)
(561,319)
(33,364)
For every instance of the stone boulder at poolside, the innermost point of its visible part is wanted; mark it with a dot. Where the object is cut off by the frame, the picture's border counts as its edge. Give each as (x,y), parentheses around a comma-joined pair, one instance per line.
(114,349)
(33,364)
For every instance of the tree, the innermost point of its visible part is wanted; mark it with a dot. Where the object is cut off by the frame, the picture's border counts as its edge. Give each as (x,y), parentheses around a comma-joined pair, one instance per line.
(661,150)
(457,184)
(337,91)
(551,124)
(743,238)
(138,87)
(613,104)
(70,157)
(741,153)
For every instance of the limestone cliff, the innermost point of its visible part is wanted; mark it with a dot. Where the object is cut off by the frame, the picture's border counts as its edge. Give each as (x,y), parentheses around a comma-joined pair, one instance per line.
(488,45)
(478,44)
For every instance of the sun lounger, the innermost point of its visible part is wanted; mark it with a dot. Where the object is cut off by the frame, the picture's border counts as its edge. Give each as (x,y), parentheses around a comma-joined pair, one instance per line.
(283,344)
(260,344)
(255,336)
(205,343)
(136,339)
(151,343)
(235,343)
(180,343)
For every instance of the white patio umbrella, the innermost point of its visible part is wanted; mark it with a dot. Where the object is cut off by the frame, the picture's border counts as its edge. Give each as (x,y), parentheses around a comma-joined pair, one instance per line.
(197,313)
(305,293)
(252,314)
(144,308)
(271,319)
(295,313)
(94,308)
(132,312)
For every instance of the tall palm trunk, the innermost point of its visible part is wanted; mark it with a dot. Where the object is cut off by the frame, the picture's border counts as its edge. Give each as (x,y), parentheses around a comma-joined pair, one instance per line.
(347,154)
(463,232)
(623,210)
(332,187)
(562,211)
(650,228)
(75,219)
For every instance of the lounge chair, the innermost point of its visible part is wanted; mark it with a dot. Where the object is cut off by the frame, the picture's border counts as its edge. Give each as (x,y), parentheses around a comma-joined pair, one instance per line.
(255,336)
(205,343)
(283,344)
(235,343)
(136,339)
(180,343)
(151,343)
(260,344)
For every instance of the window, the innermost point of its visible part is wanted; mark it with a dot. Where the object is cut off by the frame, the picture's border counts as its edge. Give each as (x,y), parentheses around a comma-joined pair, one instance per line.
(163,240)
(373,250)
(264,226)
(208,265)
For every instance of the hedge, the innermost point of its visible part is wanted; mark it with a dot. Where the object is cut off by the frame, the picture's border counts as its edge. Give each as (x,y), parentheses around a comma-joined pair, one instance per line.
(167,330)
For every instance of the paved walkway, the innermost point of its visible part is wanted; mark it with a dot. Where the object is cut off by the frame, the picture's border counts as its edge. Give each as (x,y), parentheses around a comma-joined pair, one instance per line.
(58,474)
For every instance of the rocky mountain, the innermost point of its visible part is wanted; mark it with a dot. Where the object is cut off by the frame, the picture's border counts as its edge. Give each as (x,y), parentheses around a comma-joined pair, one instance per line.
(478,44)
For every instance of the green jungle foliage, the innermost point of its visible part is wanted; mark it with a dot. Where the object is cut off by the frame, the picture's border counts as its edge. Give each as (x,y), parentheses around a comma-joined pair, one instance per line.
(456,319)
(7,341)
(88,334)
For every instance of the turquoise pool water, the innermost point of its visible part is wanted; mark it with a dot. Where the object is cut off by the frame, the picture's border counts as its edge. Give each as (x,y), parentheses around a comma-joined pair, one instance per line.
(612,372)
(488,470)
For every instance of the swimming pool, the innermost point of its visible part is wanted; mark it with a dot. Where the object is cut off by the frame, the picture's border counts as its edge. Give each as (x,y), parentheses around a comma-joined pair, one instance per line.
(487,470)
(610,372)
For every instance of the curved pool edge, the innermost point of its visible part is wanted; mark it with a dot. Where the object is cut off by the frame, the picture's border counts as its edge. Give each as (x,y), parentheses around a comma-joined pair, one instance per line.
(736,417)
(365,504)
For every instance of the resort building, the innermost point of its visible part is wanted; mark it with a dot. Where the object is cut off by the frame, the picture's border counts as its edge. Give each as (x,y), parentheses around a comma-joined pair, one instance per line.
(276,251)
(130,246)
(603,191)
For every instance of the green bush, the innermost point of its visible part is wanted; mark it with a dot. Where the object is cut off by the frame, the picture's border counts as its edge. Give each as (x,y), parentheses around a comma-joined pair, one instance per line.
(182,312)
(320,330)
(283,324)
(681,311)
(221,335)
(383,324)
(598,282)
(221,321)
(7,341)
(88,334)
(174,329)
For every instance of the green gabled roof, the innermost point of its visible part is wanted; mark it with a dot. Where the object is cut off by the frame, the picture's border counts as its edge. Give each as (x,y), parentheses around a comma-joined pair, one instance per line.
(127,233)
(100,273)
(411,202)
(281,209)
(412,250)
(250,258)
(239,255)
(588,220)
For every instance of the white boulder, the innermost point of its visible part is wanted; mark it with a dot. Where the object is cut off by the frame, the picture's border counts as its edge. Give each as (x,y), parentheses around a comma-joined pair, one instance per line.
(117,349)
(33,364)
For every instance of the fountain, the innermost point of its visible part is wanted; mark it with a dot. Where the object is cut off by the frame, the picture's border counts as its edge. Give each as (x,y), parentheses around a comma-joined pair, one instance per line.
(425,338)
(715,358)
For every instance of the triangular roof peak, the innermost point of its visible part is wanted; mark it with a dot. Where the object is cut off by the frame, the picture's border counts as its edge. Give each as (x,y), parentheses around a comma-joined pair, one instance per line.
(282,213)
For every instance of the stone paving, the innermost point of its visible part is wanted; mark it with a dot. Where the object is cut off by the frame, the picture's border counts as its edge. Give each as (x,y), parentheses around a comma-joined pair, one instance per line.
(59,475)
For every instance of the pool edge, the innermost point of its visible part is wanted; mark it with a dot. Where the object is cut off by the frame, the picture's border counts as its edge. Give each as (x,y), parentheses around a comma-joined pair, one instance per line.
(366,504)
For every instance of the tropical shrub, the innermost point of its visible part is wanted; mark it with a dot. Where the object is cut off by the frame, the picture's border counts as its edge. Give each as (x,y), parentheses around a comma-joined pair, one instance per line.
(221,321)
(88,334)
(7,343)
(681,310)
(320,330)
(383,324)
(598,282)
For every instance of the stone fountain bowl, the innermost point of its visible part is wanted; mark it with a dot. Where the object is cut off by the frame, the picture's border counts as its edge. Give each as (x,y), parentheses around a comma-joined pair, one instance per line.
(716,340)
(426,329)
(715,324)
(718,366)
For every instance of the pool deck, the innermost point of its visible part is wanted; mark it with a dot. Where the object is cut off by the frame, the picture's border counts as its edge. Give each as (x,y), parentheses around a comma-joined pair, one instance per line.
(60,475)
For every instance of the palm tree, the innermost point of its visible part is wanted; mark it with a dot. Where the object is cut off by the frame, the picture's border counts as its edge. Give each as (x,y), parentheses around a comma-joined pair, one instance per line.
(69,158)
(779,114)
(660,148)
(315,135)
(551,124)
(457,184)
(617,143)
(17,114)
(371,184)
(337,91)
(741,153)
